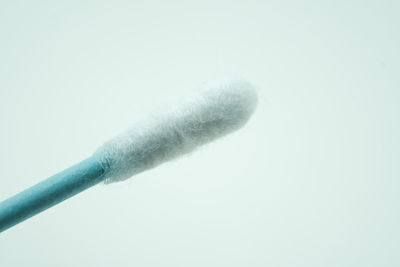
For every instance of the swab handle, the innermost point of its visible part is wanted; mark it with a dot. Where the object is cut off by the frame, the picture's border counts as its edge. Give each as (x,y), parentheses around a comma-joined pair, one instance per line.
(50,192)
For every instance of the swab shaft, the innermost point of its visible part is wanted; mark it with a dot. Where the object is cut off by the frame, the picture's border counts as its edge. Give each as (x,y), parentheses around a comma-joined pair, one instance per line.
(50,192)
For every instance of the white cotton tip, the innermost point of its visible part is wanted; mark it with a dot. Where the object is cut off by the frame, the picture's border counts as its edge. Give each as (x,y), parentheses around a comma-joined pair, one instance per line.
(222,106)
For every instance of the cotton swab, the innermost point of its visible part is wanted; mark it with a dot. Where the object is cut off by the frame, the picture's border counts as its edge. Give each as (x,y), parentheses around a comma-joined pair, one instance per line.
(222,106)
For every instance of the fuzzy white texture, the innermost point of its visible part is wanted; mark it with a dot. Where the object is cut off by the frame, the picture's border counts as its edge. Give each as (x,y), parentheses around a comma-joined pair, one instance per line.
(220,107)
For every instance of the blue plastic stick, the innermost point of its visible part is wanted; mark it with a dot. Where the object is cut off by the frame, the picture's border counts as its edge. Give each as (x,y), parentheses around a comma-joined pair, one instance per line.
(50,192)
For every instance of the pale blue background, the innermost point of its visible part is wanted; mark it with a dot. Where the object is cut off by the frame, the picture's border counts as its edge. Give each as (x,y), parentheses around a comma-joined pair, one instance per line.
(313,180)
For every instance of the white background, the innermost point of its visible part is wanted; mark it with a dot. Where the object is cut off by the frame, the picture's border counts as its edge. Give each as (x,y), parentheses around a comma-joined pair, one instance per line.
(312,180)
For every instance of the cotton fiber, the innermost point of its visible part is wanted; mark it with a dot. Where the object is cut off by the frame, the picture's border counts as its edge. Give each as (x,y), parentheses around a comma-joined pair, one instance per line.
(220,107)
